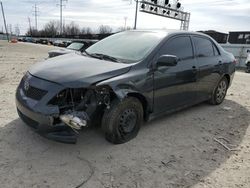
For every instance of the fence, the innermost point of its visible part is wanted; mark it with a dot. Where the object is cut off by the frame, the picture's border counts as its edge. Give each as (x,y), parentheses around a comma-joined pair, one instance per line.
(239,51)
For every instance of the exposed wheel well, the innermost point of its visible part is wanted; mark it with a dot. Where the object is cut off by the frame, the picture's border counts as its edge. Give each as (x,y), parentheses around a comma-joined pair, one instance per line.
(143,101)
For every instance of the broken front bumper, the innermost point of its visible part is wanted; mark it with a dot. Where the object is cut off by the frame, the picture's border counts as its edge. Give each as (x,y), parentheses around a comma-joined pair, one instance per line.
(43,125)
(37,114)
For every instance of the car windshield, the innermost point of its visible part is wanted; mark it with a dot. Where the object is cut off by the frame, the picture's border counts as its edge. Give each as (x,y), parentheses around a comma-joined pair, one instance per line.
(75,46)
(128,46)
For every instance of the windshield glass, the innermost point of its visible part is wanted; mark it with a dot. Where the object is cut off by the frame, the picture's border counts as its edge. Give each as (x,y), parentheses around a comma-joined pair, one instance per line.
(75,46)
(130,46)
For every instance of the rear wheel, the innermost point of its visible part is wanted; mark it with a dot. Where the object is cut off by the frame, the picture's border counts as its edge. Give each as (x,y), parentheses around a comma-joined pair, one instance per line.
(248,67)
(220,92)
(123,120)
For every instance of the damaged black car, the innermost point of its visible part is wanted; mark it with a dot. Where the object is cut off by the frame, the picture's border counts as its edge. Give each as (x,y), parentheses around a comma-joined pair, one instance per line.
(122,81)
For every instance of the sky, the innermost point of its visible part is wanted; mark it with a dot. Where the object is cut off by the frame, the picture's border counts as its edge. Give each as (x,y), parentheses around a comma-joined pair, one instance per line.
(220,15)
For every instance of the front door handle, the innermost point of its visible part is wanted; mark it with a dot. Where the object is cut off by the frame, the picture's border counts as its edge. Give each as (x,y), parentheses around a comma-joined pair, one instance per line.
(194,69)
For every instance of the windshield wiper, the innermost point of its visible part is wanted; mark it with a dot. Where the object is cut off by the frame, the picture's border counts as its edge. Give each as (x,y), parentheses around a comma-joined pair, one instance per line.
(88,54)
(103,57)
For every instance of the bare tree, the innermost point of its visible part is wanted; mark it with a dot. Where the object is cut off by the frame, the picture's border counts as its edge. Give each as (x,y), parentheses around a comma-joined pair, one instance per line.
(83,31)
(123,29)
(72,29)
(51,29)
(105,29)
(33,32)
(17,30)
(88,31)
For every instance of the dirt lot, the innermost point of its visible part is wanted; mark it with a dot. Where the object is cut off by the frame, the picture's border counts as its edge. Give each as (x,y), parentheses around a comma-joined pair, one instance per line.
(175,151)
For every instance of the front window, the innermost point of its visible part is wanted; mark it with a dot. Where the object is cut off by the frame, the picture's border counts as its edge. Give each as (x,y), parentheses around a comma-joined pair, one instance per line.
(179,46)
(75,46)
(128,46)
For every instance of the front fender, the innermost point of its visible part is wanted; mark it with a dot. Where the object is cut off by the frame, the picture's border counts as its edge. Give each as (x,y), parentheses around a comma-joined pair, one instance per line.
(122,91)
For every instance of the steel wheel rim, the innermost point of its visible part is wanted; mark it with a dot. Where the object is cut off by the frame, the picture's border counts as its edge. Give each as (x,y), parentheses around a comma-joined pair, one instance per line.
(221,91)
(127,122)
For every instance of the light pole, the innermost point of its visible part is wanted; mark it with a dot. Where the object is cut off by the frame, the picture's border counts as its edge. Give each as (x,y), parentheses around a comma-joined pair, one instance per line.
(4,22)
(136,11)
(125,24)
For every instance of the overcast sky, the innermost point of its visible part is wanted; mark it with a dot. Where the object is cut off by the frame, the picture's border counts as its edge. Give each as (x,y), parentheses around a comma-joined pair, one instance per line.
(220,15)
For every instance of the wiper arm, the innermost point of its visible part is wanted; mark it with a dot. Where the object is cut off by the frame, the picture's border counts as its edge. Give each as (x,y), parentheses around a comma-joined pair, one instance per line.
(107,57)
(91,55)
(102,56)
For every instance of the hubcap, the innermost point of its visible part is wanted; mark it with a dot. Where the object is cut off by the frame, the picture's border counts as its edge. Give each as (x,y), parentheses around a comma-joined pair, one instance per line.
(127,121)
(221,91)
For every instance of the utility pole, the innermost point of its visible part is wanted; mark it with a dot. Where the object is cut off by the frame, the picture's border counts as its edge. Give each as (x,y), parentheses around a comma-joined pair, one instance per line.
(136,11)
(30,26)
(17,30)
(125,24)
(10,29)
(61,15)
(4,22)
(36,15)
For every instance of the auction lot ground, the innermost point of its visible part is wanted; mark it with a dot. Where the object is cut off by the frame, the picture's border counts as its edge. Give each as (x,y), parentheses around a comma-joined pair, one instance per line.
(174,151)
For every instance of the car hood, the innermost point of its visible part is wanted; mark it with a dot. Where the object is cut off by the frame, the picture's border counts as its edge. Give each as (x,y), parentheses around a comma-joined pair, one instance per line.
(75,70)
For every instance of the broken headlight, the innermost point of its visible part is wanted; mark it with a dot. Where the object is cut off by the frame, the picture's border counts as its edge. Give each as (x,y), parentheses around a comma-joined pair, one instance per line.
(68,97)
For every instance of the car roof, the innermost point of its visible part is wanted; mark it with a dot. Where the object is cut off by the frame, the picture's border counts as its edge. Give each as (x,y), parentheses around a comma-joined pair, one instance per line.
(168,31)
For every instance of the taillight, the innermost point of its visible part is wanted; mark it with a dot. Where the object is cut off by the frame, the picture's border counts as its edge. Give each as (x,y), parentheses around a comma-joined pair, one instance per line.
(235,61)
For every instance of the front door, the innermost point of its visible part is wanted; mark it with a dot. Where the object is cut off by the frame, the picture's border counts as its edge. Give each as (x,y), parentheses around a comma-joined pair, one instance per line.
(175,86)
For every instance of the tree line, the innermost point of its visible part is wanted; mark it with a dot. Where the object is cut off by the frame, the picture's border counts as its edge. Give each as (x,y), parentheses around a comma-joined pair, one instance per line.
(52,29)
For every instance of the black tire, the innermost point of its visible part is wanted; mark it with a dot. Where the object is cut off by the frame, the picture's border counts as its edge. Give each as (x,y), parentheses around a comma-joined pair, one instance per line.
(220,92)
(248,68)
(122,121)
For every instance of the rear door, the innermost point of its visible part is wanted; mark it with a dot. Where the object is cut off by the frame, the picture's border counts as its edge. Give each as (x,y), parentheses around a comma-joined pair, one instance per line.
(175,86)
(209,64)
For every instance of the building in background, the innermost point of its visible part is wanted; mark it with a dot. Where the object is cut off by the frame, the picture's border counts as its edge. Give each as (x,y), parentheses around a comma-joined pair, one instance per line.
(219,37)
(239,37)
(237,43)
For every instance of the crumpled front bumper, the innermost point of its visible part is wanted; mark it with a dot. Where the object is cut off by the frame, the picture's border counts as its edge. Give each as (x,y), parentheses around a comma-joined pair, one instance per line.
(43,125)
(40,116)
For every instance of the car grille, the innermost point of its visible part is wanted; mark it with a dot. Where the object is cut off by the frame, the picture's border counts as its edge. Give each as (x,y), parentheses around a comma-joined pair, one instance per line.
(33,92)
(27,120)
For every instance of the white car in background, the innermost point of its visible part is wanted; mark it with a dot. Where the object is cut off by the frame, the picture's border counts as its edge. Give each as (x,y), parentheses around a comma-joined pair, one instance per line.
(248,61)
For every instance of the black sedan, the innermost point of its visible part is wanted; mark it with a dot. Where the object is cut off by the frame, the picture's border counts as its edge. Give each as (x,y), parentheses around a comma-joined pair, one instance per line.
(122,81)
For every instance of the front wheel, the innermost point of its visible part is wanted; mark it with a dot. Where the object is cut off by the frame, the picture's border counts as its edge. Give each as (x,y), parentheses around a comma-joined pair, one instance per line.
(220,92)
(122,121)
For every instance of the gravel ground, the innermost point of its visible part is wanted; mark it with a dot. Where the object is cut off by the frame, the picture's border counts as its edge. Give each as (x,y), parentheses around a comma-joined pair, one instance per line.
(174,151)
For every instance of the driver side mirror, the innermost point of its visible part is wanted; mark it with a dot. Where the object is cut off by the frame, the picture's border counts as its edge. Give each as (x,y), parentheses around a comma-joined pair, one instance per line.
(167,61)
